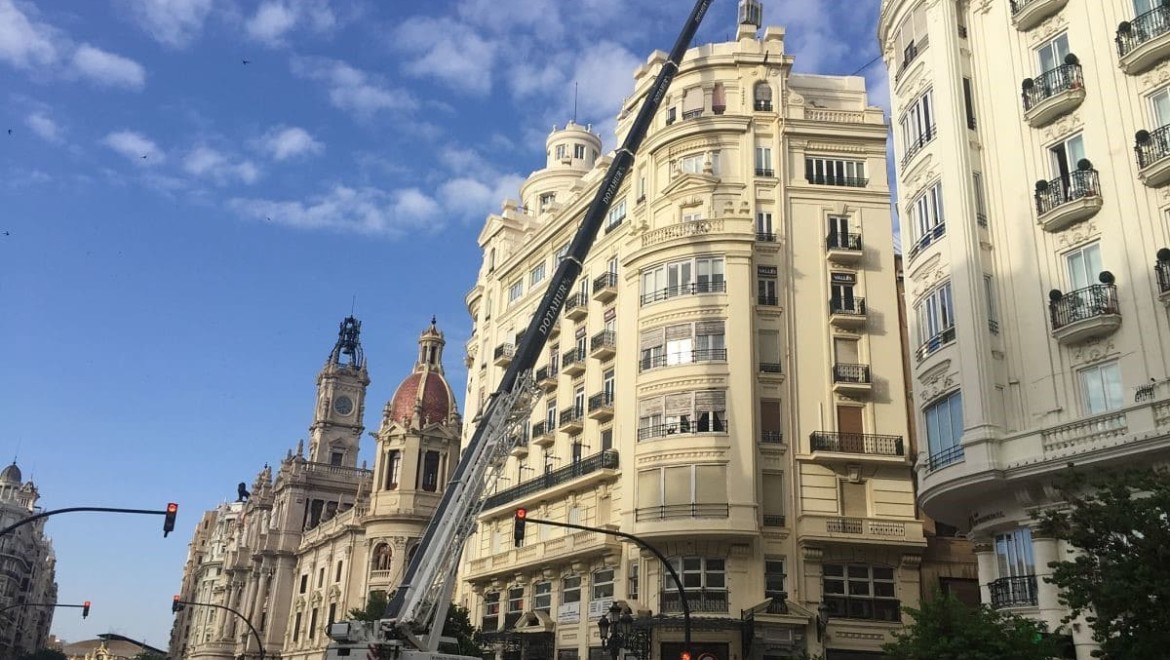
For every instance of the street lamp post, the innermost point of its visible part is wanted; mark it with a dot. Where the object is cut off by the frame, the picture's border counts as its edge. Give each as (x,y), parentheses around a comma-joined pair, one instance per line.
(617,630)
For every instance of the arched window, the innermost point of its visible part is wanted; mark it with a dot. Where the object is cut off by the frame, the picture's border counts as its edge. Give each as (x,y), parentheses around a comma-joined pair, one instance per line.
(762,93)
(381,558)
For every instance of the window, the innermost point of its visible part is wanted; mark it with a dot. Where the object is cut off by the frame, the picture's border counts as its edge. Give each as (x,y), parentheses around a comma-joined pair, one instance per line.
(911,37)
(703,411)
(632,580)
(560,151)
(918,124)
(393,468)
(602,588)
(1084,265)
(430,477)
(980,204)
(671,115)
(550,415)
(571,589)
(936,320)
(617,214)
(774,588)
(1051,53)
(321,577)
(579,401)
(1064,157)
(1160,107)
(682,491)
(562,252)
(690,276)
(944,430)
(313,624)
(578,151)
(764,226)
(969,103)
(992,314)
(698,163)
(762,95)
(542,596)
(337,576)
(332,613)
(764,161)
(766,285)
(692,104)
(641,186)
(1101,388)
(515,606)
(491,611)
(698,573)
(769,347)
(304,583)
(835,172)
(772,498)
(927,222)
(297,627)
(515,291)
(536,276)
(1013,553)
(858,591)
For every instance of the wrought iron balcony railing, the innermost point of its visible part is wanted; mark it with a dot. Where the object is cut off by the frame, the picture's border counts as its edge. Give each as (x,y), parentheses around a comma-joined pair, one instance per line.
(847,306)
(577,301)
(601,400)
(772,437)
(683,428)
(858,443)
(1063,189)
(1154,148)
(604,460)
(764,106)
(1143,28)
(934,343)
(916,145)
(843,241)
(765,171)
(572,356)
(931,235)
(1162,271)
(1052,82)
(773,520)
(675,511)
(504,351)
(604,281)
(694,288)
(683,357)
(771,367)
(767,299)
(698,600)
(603,339)
(1018,591)
(944,458)
(851,373)
(572,414)
(1090,302)
(834,180)
(765,237)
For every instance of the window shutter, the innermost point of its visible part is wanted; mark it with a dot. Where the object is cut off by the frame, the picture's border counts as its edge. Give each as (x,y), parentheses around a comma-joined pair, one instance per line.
(711,400)
(652,338)
(709,328)
(772,495)
(677,482)
(710,484)
(678,404)
(649,494)
(763,91)
(693,100)
(718,96)
(676,332)
(649,407)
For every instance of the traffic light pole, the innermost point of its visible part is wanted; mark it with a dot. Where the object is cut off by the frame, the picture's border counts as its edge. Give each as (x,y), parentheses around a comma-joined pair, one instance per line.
(12,607)
(682,594)
(237,613)
(100,509)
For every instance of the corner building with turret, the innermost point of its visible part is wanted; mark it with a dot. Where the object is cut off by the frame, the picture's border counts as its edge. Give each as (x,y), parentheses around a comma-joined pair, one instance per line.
(1034,176)
(725,382)
(313,539)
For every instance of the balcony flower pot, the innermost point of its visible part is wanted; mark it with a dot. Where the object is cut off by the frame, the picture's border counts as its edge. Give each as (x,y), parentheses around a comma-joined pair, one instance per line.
(1084,164)
(1055,295)
(1163,254)
(1142,136)
(1071,59)
(1041,186)
(1124,27)
(1028,83)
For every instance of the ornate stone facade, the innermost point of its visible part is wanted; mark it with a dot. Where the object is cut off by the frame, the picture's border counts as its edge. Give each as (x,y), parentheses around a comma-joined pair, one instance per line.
(27,569)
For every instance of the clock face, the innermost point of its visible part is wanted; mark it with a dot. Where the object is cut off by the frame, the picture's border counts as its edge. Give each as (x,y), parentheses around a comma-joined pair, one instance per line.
(343,405)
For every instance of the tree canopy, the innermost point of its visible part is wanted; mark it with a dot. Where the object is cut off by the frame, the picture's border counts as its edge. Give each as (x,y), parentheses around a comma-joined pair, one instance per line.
(1120,576)
(458,625)
(946,629)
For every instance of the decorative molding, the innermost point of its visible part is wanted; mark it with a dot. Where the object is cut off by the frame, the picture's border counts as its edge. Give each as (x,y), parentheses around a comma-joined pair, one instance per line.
(919,183)
(1063,126)
(812,553)
(920,270)
(1155,77)
(1079,233)
(929,281)
(1045,30)
(1093,350)
(938,387)
(930,376)
(838,148)
(705,312)
(697,454)
(982,6)
(682,385)
(692,145)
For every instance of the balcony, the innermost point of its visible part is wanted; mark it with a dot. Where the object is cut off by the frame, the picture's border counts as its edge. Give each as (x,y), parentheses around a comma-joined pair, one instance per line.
(1152,149)
(605,460)
(543,434)
(880,531)
(503,355)
(698,600)
(851,379)
(603,345)
(765,171)
(554,329)
(1068,199)
(1162,274)
(771,437)
(1085,313)
(573,362)
(774,520)
(1144,41)
(771,369)
(1053,93)
(601,406)
(767,300)
(949,456)
(576,307)
(934,343)
(605,287)
(546,378)
(765,237)
(857,443)
(916,145)
(1027,14)
(694,288)
(1019,591)
(682,428)
(835,180)
(843,248)
(683,357)
(572,420)
(847,312)
(933,234)
(676,511)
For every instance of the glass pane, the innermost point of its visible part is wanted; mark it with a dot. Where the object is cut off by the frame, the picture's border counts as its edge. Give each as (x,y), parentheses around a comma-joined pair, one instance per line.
(1111,385)
(1161,105)
(1076,150)
(834,587)
(883,589)
(833,570)
(880,573)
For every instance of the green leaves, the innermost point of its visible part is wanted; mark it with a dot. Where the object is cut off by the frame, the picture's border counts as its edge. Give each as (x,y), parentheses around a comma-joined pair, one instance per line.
(946,629)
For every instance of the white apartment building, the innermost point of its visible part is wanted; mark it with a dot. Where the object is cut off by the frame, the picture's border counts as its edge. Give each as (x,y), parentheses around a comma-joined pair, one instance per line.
(726,383)
(28,587)
(1033,146)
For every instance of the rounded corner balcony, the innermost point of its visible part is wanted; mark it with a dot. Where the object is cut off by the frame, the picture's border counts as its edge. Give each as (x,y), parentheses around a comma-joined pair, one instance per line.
(1086,313)
(1068,199)
(1153,156)
(1144,41)
(1053,93)
(1027,14)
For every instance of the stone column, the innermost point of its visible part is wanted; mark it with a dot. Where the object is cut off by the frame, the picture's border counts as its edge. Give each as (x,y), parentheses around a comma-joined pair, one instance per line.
(985,561)
(1047,595)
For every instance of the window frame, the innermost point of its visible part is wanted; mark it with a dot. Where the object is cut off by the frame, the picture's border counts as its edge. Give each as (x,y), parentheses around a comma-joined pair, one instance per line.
(850,605)
(1110,400)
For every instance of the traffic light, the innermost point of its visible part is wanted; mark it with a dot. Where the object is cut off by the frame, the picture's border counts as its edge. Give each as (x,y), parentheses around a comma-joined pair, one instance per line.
(169,519)
(176,606)
(85,609)
(518,526)
(685,655)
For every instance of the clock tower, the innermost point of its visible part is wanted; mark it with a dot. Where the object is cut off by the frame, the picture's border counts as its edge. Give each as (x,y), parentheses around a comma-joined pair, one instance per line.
(341,400)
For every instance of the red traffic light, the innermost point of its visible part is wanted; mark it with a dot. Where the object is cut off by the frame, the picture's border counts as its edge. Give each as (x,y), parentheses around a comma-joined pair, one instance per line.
(518,526)
(176,606)
(685,655)
(85,609)
(172,508)
(169,518)
(521,513)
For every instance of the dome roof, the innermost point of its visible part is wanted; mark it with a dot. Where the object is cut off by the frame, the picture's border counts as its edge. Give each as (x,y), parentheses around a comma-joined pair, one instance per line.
(426,391)
(11,474)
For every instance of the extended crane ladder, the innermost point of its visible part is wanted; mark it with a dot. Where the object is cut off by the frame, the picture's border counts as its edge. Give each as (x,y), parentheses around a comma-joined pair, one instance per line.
(418,608)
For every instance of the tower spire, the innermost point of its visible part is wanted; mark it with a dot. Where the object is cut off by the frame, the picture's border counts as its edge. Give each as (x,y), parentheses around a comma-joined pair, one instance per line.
(751,12)
(348,344)
(430,349)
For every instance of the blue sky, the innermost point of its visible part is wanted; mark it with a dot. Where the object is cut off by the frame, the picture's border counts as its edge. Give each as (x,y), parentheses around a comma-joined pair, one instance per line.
(185,231)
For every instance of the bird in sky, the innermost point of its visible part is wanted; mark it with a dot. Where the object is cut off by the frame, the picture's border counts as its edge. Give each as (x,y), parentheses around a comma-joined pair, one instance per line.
(247,62)
(144,156)
(10,131)
(7,233)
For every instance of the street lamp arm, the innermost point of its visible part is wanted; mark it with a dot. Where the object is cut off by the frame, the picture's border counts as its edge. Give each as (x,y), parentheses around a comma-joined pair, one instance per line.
(101,509)
(237,613)
(682,594)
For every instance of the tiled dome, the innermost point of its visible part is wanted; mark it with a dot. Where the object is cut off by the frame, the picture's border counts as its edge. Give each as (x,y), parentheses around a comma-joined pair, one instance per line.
(427,389)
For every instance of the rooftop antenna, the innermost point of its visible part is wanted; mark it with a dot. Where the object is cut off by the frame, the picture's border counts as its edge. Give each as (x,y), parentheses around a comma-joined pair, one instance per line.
(574,101)
(352,303)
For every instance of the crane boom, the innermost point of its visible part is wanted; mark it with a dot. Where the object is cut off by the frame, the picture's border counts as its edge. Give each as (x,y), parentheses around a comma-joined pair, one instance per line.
(416,613)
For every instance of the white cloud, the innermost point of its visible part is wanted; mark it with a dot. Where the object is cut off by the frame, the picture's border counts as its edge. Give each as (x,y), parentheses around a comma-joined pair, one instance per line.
(460,58)
(108,69)
(474,198)
(211,164)
(44,127)
(353,90)
(24,42)
(274,19)
(135,146)
(175,23)
(369,211)
(284,142)
(605,75)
